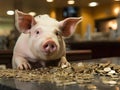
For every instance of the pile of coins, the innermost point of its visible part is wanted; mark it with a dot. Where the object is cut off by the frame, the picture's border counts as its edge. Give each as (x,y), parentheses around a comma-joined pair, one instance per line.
(77,73)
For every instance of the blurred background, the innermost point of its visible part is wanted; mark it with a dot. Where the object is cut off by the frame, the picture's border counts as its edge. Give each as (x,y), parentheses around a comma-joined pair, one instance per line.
(101,18)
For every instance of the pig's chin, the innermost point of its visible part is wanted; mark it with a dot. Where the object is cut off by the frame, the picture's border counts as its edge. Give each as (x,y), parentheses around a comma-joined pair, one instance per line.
(48,54)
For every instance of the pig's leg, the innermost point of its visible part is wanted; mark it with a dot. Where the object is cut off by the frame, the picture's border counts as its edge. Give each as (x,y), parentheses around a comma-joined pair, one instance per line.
(63,62)
(21,63)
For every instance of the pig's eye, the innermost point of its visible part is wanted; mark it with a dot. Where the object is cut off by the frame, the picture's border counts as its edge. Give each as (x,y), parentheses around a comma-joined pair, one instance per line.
(57,33)
(37,32)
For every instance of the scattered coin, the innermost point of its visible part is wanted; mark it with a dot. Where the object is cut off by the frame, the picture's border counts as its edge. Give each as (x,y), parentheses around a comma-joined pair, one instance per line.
(77,73)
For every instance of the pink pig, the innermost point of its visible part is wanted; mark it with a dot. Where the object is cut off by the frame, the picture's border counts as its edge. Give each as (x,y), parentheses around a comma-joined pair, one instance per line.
(41,39)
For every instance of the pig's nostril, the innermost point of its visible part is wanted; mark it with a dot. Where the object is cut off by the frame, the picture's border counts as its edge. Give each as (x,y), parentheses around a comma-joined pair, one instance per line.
(52,46)
(45,46)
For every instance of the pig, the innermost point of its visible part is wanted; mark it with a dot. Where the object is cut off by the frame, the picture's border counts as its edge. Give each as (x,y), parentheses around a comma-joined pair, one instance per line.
(41,39)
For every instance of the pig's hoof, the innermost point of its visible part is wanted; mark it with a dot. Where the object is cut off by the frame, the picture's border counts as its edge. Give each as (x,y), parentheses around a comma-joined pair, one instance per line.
(24,65)
(64,64)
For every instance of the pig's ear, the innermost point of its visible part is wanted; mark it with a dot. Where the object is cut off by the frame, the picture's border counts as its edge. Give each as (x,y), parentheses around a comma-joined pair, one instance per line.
(23,21)
(68,25)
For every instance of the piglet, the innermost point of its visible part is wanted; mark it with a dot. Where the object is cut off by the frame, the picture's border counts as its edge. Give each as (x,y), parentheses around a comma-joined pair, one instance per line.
(41,40)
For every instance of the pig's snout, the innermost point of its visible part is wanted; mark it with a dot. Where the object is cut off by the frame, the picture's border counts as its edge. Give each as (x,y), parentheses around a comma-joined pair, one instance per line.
(49,46)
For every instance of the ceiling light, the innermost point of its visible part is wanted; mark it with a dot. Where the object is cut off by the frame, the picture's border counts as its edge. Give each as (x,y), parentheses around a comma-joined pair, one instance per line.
(93,4)
(117,0)
(32,13)
(49,0)
(71,2)
(10,12)
(116,10)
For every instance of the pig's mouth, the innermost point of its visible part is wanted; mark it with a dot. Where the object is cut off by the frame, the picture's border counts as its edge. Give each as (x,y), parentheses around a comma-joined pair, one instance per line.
(48,53)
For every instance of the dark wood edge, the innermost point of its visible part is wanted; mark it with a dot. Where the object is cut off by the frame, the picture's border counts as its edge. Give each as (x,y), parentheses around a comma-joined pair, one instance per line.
(79,52)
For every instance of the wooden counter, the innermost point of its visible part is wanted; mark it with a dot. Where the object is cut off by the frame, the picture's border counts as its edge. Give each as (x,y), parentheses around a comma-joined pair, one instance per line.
(100,49)
(6,57)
